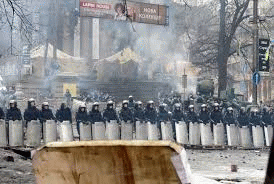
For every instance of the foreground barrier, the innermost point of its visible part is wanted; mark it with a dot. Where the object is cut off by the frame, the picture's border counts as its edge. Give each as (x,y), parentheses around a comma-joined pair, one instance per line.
(268,131)
(16,133)
(126,130)
(98,131)
(219,134)
(141,130)
(194,134)
(112,130)
(153,132)
(167,132)
(3,133)
(233,138)
(34,133)
(245,137)
(206,134)
(181,132)
(258,136)
(66,132)
(85,131)
(49,131)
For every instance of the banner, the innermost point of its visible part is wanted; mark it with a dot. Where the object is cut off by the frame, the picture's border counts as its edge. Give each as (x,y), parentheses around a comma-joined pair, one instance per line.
(131,11)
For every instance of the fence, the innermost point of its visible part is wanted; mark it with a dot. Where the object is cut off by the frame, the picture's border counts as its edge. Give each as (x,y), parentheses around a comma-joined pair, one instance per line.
(16,134)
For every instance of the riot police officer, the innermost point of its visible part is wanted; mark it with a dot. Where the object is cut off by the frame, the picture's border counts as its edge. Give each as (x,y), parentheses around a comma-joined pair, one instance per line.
(266,117)
(177,114)
(13,112)
(242,118)
(150,112)
(216,115)
(64,113)
(229,117)
(254,118)
(46,113)
(191,115)
(95,115)
(138,113)
(81,116)
(109,113)
(204,116)
(131,102)
(162,113)
(31,113)
(125,113)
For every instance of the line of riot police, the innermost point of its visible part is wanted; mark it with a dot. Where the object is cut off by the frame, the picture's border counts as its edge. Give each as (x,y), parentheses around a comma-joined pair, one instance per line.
(132,112)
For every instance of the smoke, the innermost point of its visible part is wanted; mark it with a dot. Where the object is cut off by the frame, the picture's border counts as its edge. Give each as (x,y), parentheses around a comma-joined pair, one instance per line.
(164,54)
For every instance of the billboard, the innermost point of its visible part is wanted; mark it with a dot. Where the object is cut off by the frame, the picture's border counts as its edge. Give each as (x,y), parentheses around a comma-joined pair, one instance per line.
(132,11)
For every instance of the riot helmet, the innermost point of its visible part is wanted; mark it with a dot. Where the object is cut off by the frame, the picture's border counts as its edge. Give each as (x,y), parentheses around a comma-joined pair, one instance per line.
(125,103)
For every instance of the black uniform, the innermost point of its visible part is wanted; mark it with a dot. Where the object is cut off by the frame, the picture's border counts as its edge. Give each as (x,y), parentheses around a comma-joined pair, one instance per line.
(254,119)
(63,114)
(131,103)
(81,116)
(266,118)
(217,116)
(46,114)
(191,116)
(204,116)
(95,115)
(2,114)
(162,114)
(229,118)
(14,113)
(150,114)
(243,119)
(138,113)
(110,114)
(177,115)
(126,114)
(31,113)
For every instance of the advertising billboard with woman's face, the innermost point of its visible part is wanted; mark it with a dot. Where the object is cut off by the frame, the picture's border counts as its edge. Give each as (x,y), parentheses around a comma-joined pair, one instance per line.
(131,11)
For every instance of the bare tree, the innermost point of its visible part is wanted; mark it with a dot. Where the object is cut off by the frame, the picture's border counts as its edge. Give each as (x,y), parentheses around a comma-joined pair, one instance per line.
(213,34)
(9,11)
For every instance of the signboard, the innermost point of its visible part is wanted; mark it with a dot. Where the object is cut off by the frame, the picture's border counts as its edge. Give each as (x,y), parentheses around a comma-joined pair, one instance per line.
(264,45)
(132,11)
(256,78)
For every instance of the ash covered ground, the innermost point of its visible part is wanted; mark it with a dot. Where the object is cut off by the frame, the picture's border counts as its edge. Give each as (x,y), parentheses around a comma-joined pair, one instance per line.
(216,164)
(212,164)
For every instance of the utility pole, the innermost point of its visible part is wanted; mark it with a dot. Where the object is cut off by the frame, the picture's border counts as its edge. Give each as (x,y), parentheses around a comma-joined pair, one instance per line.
(255,47)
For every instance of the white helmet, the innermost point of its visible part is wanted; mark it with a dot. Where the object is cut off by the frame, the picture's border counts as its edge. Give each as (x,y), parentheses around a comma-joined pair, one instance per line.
(191,106)
(125,102)
(204,105)
(82,106)
(45,103)
(230,109)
